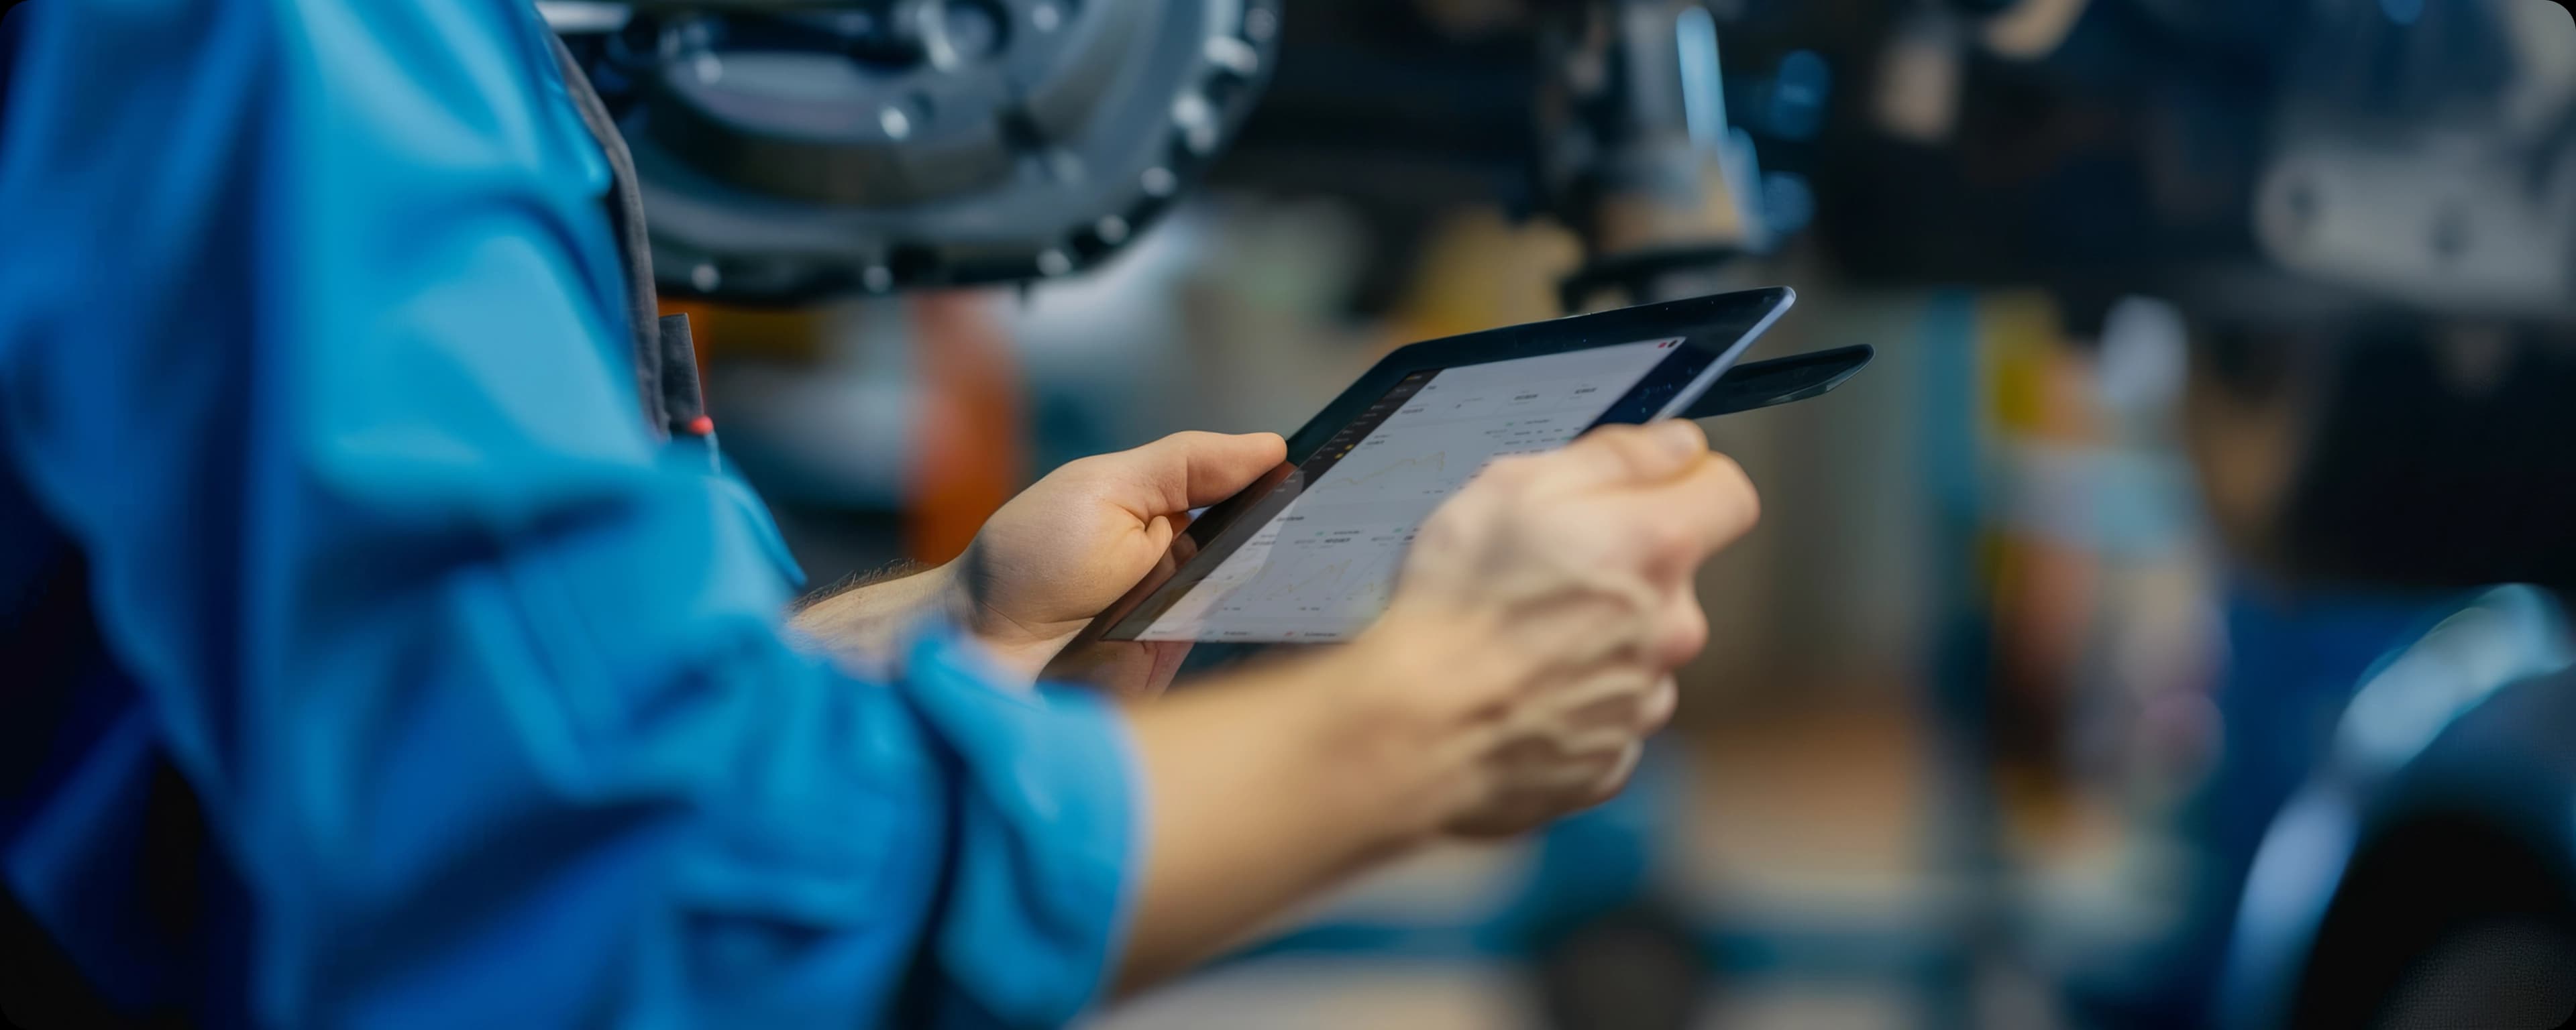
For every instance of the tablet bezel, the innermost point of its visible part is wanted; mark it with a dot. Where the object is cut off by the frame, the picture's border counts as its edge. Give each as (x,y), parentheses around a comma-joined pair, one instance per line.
(1714,331)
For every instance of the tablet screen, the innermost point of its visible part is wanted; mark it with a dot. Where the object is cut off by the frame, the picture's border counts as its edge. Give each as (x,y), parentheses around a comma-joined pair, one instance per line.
(1319,568)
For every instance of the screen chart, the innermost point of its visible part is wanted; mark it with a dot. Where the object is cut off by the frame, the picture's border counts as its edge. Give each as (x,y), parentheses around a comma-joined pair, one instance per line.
(1320,570)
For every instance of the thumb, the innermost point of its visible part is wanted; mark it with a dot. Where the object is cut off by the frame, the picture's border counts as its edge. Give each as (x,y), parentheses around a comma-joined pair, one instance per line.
(1190,470)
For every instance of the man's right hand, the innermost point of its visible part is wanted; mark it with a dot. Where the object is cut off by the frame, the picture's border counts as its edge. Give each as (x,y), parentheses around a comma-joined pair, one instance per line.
(1543,609)
(1528,650)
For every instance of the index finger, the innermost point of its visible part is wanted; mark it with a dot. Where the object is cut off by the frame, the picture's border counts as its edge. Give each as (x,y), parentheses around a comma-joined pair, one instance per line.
(1685,519)
(1628,455)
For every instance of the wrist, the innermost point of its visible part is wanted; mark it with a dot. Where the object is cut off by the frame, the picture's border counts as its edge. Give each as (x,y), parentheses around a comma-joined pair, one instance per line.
(1019,652)
(1412,709)
(864,621)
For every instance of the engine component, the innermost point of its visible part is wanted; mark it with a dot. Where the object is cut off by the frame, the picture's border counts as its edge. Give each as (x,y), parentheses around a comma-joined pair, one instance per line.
(788,153)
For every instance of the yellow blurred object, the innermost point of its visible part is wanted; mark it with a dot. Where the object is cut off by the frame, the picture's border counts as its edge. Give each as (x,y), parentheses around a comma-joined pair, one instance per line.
(1646,220)
(2044,589)
(2042,389)
(1480,270)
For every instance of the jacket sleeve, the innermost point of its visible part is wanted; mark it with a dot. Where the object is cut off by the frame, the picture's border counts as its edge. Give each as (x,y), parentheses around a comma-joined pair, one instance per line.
(310,335)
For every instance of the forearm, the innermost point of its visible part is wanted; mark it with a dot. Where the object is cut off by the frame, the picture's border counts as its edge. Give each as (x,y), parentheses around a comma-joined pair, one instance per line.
(861,621)
(864,620)
(1267,788)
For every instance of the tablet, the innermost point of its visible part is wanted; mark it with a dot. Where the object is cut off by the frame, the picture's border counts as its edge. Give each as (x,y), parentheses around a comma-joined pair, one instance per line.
(1309,553)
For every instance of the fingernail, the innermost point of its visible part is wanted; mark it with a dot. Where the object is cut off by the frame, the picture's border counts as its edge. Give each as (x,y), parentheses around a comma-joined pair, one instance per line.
(1683,437)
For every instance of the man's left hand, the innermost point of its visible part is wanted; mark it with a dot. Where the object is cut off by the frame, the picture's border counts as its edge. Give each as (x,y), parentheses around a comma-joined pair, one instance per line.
(1071,545)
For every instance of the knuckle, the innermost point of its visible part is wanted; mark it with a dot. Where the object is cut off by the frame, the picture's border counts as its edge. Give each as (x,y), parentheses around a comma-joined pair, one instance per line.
(1592,448)
(1466,506)
(1732,481)
(1659,707)
(1688,634)
(1509,473)
(1615,778)
(1727,464)
(1664,537)
(1626,443)
(1438,533)
(1605,435)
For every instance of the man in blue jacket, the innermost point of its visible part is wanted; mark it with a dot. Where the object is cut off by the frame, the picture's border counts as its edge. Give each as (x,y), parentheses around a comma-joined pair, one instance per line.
(372,661)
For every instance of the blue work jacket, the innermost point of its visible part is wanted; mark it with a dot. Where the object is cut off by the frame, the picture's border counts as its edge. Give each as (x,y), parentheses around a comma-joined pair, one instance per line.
(369,661)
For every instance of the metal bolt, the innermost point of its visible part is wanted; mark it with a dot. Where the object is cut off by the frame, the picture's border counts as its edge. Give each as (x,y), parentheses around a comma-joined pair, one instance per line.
(1197,120)
(1053,263)
(1233,55)
(896,124)
(709,67)
(1111,229)
(1159,182)
(1046,17)
(1260,23)
(877,279)
(704,277)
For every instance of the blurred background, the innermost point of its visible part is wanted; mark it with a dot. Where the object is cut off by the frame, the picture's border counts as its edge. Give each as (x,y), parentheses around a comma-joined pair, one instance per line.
(2223,377)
